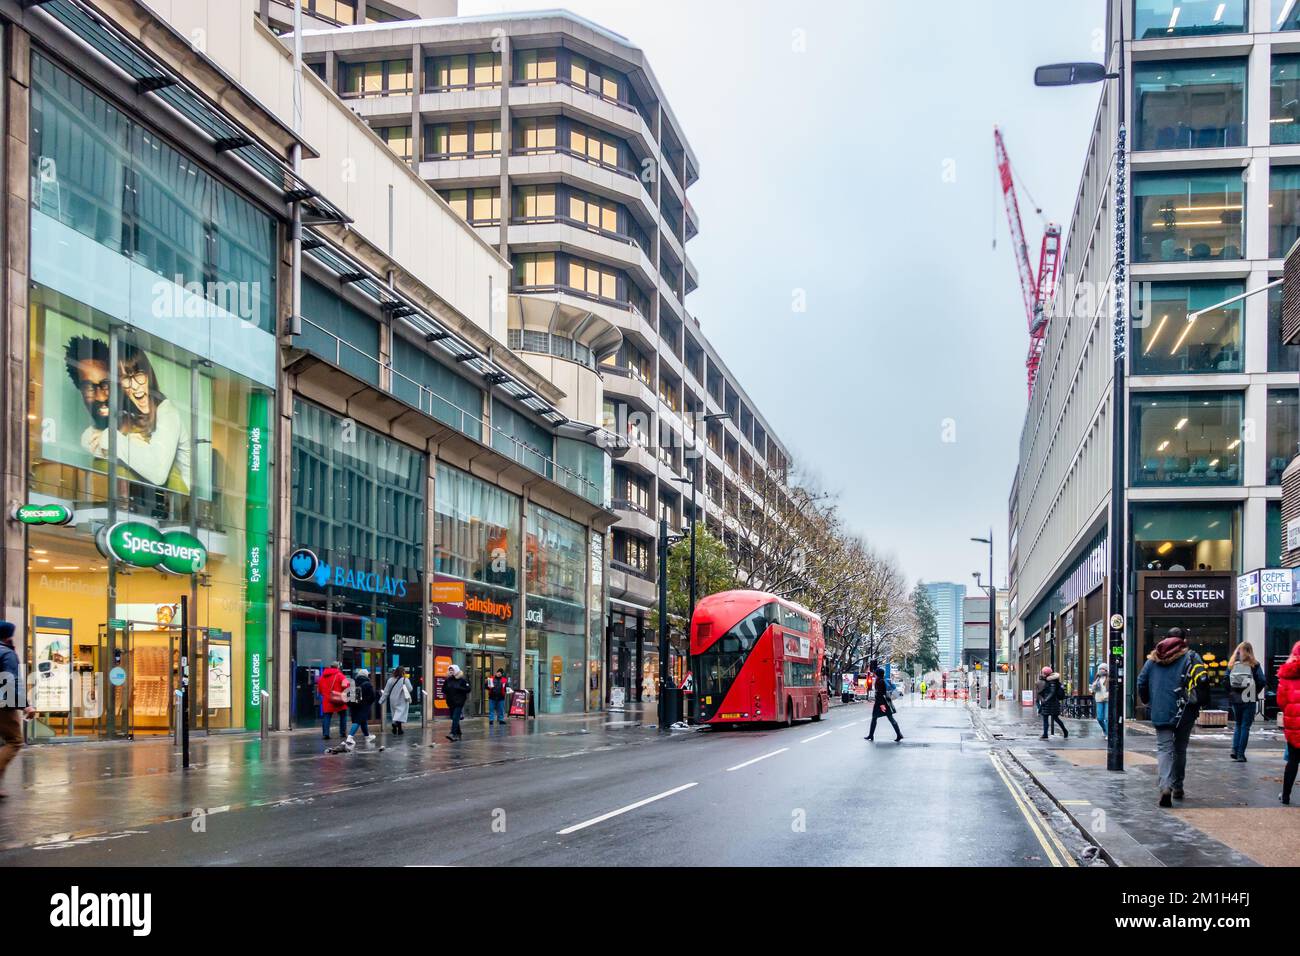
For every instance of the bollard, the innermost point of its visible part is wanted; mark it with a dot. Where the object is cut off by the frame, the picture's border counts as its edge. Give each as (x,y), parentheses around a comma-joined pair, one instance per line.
(266,705)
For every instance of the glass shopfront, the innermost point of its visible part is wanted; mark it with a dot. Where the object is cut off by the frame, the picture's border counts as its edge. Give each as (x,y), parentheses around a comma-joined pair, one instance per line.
(556,638)
(152,365)
(474,598)
(357,587)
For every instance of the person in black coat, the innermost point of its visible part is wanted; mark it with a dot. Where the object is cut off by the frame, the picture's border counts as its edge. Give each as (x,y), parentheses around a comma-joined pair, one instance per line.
(1050,695)
(360,708)
(456,691)
(882,706)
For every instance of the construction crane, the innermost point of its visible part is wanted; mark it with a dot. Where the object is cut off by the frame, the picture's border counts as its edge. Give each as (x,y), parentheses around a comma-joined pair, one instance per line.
(1036,288)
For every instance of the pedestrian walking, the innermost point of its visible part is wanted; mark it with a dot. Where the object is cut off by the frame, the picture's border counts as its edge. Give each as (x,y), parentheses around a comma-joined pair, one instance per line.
(1175,684)
(882,706)
(456,691)
(498,690)
(333,689)
(1101,696)
(361,707)
(14,708)
(1050,694)
(397,692)
(1288,699)
(1245,681)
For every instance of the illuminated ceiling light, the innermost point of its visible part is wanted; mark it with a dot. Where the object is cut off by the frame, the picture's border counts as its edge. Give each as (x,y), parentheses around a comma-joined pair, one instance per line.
(1163,445)
(1181,423)
(1286,11)
(1214,463)
(1182,338)
(1174,19)
(1215,522)
(1156,334)
(1165,548)
(1218,14)
(1234,443)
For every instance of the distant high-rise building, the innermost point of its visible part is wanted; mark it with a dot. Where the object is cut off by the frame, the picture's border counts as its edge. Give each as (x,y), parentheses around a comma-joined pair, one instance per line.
(948,599)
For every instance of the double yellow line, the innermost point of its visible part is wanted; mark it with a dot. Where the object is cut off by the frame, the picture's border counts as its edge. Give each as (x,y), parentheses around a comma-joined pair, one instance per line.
(1031,817)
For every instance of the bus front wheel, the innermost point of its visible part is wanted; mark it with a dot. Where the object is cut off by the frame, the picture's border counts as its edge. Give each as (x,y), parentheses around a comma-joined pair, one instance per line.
(789,712)
(817,714)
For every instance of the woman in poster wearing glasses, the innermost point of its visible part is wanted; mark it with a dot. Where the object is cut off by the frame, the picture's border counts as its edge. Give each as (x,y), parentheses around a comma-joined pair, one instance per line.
(154,438)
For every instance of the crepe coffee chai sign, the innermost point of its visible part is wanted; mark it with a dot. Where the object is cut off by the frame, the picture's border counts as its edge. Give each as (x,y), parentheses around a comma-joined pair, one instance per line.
(1199,595)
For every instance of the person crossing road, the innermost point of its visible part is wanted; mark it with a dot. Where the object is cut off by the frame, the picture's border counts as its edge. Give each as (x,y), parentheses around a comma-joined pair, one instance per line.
(882,706)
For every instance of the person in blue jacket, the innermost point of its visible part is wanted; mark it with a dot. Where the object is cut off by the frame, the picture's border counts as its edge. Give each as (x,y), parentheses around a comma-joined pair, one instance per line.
(1174,683)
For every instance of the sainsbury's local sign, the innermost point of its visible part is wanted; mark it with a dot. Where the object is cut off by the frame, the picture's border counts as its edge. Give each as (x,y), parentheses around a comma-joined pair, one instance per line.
(144,546)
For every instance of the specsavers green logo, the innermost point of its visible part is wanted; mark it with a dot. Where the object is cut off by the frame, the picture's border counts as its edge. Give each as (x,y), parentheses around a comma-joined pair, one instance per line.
(144,546)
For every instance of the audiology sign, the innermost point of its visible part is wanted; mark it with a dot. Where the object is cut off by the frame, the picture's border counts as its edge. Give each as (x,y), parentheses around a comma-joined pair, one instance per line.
(144,546)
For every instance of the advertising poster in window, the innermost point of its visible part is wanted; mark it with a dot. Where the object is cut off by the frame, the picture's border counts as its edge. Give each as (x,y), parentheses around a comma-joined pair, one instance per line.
(52,671)
(162,440)
(218,676)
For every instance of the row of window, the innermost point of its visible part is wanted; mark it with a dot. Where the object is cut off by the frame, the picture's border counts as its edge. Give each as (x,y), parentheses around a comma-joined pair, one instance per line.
(1183,439)
(1165,343)
(547,343)
(1201,104)
(548,270)
(481,139)
(548,203)
(1198,216)
(343,12)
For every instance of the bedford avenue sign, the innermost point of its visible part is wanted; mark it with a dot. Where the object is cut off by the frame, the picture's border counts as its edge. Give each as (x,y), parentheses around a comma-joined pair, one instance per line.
(144,546)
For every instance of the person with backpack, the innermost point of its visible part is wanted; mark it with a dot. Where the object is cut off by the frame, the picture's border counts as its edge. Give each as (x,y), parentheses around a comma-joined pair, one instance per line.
(455,690)
(1288,702)
(498,690)
(14,706)
(882,706)
(1101,696)
(397,692)
(332,687)
(1050,694)
(1245,681)
(1175,684)
(361,706)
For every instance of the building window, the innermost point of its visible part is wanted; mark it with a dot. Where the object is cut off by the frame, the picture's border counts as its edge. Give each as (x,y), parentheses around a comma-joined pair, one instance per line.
(336,11)
(535,135)
(1283,426)
(535,269)
(535,203)
(593,279)
(398,139)
(1281,357)
(1189,104)
(1273,534)
(596,78)
(1283,209)
(1285,15)
(1284,100)
(1181,216)
(597,146)
(478,139)
(478,207)
(1164,342)
(1191,438)
(376,78)
(1184,537)
(1163,19)
(596,213)
(466,71)
(535,67)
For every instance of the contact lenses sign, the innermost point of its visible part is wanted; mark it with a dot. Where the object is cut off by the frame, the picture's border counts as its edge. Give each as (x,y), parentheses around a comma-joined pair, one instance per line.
(144,546)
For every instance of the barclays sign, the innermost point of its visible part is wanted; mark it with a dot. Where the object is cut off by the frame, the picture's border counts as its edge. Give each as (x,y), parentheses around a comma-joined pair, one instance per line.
(305,566)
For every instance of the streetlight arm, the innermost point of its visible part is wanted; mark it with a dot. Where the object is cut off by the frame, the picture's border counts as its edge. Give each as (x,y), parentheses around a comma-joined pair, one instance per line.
(1193,316)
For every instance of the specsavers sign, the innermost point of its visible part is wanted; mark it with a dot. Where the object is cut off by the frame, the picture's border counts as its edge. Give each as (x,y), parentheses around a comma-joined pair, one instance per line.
(144,546)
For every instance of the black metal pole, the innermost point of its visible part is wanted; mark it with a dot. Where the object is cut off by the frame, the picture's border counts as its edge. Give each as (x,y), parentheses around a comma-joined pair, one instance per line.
(663,624)
(993,622)
(1117,539)
(185,681)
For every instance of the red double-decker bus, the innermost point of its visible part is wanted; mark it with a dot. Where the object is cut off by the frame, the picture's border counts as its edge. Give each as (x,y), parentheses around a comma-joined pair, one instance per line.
(757,658)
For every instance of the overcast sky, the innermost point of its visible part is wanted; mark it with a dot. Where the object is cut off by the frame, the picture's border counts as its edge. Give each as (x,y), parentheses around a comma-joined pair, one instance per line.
(846,150)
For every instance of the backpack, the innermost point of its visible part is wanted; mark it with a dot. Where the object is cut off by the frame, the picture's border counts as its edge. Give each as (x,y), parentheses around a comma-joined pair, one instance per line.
(1193,687)
(1242,679)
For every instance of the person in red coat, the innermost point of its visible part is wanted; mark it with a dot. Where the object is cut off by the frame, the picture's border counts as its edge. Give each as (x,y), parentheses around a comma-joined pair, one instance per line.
(332,687)
(1288,699)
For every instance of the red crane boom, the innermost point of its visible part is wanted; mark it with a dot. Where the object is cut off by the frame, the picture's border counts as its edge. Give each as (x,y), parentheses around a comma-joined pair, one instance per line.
(1037,290)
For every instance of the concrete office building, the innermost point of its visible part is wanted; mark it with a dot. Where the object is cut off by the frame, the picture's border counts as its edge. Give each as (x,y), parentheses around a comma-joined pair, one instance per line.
(1213,205)
(581,149)
(949,609)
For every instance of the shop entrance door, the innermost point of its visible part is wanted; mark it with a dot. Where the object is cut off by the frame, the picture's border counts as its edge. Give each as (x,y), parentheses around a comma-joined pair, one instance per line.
(483,664)
(141,668)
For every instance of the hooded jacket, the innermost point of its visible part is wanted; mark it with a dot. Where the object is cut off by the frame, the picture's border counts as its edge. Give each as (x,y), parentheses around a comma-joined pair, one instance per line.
(456,690)
(331,679)
(1288,696)
(1162,675)
(1049,696)
(361,708)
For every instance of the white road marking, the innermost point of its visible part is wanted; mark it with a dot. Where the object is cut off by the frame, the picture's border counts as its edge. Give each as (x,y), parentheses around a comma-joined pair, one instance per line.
(631,806)
(740,766)
(814,737)
(853,723)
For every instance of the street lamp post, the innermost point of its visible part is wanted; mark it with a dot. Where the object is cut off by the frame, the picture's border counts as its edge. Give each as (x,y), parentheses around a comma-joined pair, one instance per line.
(993,616)
(1071,74)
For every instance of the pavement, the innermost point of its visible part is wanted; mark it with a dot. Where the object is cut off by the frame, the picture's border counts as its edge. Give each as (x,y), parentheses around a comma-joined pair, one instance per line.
(603,789)
(1230,817)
